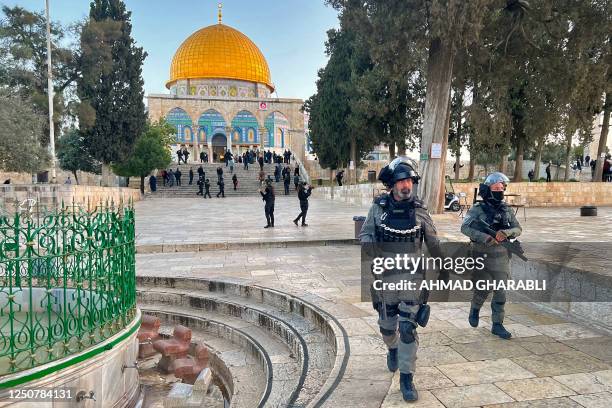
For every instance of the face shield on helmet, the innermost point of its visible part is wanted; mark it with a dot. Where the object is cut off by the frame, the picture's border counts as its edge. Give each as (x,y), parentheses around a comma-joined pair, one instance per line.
(400,168)
(495,178)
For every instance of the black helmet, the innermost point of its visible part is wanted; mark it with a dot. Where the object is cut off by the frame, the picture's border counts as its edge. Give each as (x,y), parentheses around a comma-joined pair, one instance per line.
(400,168)
(485,188)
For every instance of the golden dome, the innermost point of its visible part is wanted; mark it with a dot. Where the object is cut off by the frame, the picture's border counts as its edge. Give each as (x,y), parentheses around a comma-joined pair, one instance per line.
(219,51)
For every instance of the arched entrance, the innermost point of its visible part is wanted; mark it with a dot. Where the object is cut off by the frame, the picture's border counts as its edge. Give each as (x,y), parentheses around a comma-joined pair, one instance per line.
(219,146)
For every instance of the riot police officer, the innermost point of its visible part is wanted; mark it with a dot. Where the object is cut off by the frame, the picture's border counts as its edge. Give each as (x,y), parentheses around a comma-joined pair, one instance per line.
(397,217)
(500,218)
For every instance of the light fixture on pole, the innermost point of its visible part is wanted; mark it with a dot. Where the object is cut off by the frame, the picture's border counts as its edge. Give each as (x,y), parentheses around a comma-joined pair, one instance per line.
(50,93)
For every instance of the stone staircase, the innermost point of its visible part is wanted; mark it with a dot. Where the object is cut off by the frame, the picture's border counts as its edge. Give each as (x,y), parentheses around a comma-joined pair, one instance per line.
(276,350)
(248,181)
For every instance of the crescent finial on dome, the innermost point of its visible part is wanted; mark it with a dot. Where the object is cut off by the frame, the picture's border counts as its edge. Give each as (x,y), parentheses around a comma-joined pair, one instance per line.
(220,7)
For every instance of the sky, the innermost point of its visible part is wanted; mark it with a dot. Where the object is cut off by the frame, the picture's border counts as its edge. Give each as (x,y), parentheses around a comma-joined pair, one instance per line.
(290,33)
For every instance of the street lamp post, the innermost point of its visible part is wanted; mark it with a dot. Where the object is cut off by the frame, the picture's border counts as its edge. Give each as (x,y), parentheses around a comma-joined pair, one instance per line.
(50,93)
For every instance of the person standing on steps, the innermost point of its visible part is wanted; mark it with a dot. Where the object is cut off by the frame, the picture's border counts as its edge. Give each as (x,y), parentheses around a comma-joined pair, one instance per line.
(153,183)
(171,178)
(207,189)
(190,176)
(267,195)
(200,186)
(219,173)
(235,181)
(287,182)
(260,160)
(202,157)
(304,191)
(185,155)
(400,217)
(494,212)
(296,181)
(177,175)
(221,185)
(179,154)
(201,173)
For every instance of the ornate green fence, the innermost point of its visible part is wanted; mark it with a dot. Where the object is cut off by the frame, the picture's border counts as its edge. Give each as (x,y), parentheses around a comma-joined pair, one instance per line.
(67,281)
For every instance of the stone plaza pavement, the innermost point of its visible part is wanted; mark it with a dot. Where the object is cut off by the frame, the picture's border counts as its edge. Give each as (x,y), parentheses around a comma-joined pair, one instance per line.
(550,362)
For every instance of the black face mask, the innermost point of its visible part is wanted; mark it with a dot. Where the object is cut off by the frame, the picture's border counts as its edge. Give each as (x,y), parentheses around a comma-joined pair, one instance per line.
(498,195)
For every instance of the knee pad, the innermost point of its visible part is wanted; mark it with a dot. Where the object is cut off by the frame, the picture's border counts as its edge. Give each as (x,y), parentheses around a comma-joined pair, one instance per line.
(407,332)
(386,332)
(499,298)
(497,305)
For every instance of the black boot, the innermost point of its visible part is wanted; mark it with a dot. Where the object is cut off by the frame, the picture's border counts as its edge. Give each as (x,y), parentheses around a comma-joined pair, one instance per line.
(392,360)
(498,329)
(407,388)
(473,318)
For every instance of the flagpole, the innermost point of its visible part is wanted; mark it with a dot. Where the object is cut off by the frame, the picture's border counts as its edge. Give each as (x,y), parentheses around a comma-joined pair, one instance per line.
(50,93)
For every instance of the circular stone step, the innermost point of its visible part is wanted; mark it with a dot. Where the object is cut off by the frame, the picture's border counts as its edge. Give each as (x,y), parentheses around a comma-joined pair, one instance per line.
(316,339)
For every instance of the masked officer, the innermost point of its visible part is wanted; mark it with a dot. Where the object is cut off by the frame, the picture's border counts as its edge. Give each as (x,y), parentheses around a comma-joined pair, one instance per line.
(400,217)
(501,219)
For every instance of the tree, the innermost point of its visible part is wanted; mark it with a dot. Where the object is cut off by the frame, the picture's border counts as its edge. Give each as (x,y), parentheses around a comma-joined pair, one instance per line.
(23,64)
(73,156)
(399,31)
(112,112)
(150,152)
(340,130)
(20,132)
(540,74)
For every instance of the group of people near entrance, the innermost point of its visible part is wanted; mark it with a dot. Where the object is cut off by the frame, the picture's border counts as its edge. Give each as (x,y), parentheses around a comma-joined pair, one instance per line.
(399,216)
(250,156)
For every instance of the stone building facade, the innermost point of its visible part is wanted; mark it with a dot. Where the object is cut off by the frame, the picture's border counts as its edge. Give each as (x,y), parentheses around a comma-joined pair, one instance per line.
(220,98)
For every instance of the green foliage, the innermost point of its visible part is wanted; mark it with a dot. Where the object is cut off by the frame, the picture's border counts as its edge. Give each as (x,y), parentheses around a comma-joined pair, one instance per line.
(538,70)
(20,131)
(150,152)
(73,156)
(112,113)
(554,153)
(23,64)
(334,117)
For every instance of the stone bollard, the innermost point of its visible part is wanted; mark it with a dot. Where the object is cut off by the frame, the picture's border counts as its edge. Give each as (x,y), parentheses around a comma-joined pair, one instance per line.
(174,348)
(147,334)
(189,368)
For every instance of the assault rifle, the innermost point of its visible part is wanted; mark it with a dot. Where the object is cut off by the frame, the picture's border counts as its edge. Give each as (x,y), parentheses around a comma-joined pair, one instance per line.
(513,247)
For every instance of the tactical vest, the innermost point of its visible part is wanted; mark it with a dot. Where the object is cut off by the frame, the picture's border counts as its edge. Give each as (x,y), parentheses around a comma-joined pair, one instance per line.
(398,221)
(497,217)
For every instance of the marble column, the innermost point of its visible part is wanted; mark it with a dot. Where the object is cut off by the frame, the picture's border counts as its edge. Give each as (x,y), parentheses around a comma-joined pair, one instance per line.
(263,134)
(228,137)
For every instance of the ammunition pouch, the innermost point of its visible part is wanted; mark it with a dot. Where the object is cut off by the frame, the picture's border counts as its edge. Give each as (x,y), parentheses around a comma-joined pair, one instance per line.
(422,316)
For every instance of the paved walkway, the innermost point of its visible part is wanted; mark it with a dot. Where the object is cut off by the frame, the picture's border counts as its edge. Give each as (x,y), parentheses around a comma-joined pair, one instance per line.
(165,225)
(550,362)
(238,219)
(241,219)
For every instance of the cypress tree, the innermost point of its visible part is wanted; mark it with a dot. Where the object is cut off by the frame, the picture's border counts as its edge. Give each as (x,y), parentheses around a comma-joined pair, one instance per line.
(112,112)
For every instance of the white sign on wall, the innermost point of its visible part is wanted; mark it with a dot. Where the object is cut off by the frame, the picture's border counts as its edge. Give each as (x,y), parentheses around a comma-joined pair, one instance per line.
(436,151)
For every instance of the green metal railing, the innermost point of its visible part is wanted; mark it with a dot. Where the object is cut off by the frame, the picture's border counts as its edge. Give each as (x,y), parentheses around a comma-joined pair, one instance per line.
(67,281)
